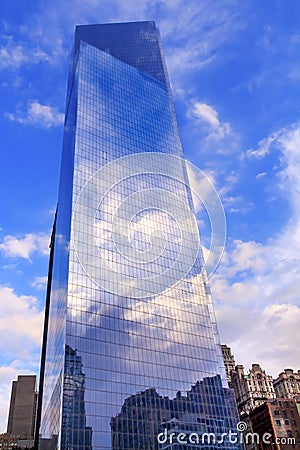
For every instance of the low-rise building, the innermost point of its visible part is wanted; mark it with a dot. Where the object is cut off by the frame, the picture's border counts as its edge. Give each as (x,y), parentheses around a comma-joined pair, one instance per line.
(276,425)
(8,442)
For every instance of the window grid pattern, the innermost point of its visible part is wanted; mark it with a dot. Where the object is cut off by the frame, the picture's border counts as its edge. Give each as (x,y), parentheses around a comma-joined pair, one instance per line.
(130,365)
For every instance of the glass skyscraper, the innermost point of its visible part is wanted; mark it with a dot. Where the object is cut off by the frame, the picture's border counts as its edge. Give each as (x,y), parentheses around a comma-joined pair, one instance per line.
(131,353)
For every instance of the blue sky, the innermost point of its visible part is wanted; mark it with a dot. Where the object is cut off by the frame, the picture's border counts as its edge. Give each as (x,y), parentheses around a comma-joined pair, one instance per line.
(235,73)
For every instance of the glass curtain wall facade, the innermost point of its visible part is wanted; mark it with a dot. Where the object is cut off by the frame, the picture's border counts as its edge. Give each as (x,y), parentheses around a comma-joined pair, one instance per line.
(131,351)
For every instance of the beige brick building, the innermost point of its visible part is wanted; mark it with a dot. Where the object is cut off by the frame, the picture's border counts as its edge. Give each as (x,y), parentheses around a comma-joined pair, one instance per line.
(287,384)
(251,389)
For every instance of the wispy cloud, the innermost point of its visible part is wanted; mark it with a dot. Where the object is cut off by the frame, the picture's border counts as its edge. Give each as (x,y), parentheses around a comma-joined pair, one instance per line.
(40,283)
(261,175)
(188,58)
(208,115)
(263,149)
(14,55)
(217,22)
(286,142)
(184,51)
(236,204)
(24,247)
(37,114)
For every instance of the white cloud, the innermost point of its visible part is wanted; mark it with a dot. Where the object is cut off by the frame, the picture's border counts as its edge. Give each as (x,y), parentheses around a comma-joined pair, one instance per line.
(207,113)
(44,115)
(32,48)
(235,204)
(215,23)
(40,283)
(268,336)
(289,143)
(263,149)
(37,114)
(12,55)
(256,289)
(210,116)
(232,200)
(286,141)
(24,247)
(189,58)
(246,256)
(261,175)
(21,323)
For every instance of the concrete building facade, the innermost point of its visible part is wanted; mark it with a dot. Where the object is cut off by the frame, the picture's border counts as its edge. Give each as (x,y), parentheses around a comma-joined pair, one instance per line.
(287,384)
(251,389)
(229,361)
(22,410)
